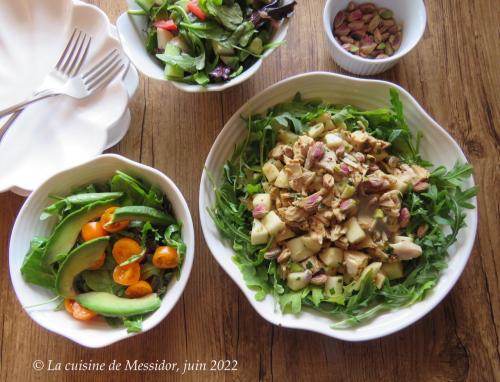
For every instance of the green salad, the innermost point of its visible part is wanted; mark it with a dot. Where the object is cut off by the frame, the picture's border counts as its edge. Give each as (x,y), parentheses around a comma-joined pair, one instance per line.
(332,207)
(112,253)
(211,41)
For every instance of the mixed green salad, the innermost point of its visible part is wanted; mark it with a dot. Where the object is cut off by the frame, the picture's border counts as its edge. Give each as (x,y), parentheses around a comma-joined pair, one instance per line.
(333,208)
(113,252)
(211,41)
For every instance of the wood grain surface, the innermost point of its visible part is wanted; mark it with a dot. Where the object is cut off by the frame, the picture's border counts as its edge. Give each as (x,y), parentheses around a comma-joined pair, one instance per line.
(453,73)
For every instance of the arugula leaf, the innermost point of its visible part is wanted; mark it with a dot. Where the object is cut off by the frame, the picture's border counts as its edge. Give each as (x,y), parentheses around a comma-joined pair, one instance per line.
(231,16)
(33,270)
(133,324)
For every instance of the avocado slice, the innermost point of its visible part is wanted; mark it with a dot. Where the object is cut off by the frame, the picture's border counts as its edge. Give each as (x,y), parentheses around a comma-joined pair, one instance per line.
(107,304)
(78,260)
(142,213)
(66,232)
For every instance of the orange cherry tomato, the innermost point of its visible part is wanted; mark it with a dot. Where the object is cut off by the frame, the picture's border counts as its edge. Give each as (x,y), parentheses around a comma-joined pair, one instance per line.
(93,230)
(115,227)
(99,263)
(81,313)
(68,305)
(124,248)
(139,289)
(165,257)
(128,274)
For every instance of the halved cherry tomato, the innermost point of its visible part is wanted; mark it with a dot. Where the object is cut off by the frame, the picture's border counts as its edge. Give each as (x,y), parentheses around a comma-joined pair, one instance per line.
(106,218)
(81,313)
(68,305)
(124,248)
(99,263)
(196,10)
(168,25)
(139,289)
(93,230)
(165,257)
(128,274)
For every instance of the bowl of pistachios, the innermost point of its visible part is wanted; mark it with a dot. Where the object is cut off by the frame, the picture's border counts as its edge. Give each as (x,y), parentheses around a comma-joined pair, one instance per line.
(371,37)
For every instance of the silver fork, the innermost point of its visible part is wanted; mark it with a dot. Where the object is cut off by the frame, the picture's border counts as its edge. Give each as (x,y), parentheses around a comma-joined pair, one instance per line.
(67,67)
(81,86)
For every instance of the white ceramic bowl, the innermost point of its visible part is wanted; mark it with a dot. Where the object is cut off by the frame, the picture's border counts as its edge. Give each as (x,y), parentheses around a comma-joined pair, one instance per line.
(131,31)
(411,13)
(436,146)
(95,333)
(60,132)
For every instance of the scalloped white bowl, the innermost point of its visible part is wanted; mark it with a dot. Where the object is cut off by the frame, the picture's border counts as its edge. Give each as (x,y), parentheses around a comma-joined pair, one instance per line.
(58,132)
(437,146)
(131,31)
(95,333)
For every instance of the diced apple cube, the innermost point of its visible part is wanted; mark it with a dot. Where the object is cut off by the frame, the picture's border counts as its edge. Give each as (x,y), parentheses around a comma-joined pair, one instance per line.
(332,257)
(334,285)
(312,243)
(273,223)
(380,280)
(163,37)
(287,137)
(270,171)
(298,250)
(373,268)
(298,280)
(316,130)
(326,119)
(259,234)
(333,140)
(355,233)
(282,180)
(262,200)
(393,271)
(355,262)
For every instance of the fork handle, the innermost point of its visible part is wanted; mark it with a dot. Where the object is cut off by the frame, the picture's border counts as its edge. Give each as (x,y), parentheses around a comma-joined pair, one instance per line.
(23,104)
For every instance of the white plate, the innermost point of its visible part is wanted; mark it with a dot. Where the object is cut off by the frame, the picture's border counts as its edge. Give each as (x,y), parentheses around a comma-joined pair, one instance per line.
(95,333)
(436,146)
(59,132)
(131,30)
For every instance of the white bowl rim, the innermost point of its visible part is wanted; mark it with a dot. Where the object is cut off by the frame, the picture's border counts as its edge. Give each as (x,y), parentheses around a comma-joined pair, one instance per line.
(188,259)
(217,87)
(395,57)
(338,334)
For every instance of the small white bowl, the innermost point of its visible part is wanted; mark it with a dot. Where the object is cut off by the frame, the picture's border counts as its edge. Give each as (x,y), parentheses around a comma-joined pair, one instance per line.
(95,333)
(410,13)
(131,31)
(436,145)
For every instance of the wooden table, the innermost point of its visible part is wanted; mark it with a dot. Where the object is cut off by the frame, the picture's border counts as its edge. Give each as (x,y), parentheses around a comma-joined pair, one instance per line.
(453,73)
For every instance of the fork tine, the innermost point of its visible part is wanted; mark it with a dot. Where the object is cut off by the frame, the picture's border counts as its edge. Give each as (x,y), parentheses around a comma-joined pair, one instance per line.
(80,56)
(69,56)
(68,45)
(103,75)
(99,66)
(105,81)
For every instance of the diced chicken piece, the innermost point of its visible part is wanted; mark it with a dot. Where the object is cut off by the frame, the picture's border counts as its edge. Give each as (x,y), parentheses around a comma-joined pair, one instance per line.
(406,250)
(281,151)
(301,147)
(273,223)
(328,161)
(355,262)
(293,215)
(285,234)
(259,234)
